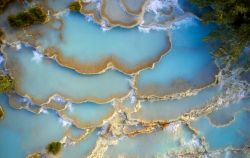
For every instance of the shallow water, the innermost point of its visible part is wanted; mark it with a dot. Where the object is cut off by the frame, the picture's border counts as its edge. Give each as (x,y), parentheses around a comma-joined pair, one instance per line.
(88,49)
(81,149)
(188,65)
(58,5)
(227,113)
(112,11)
(22,132)
(1,62)
(87,115)
(157,143)
(172,109)
(235,134)
(41,78)
(133,7)
(105,84)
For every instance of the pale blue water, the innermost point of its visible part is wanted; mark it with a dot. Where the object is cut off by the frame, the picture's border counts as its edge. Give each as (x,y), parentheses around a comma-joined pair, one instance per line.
(227,113)
(74,132)
(227,154)
(58,5)
(22,132)
(1,62)
(189,61)
(81,149)
(88,114)
(235,134)
(113,12)
(108,103)
(172,109)
(87,43)
(42,78)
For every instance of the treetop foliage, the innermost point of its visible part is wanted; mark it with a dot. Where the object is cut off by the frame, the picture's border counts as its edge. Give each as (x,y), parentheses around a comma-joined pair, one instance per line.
(233,20)
(28,17)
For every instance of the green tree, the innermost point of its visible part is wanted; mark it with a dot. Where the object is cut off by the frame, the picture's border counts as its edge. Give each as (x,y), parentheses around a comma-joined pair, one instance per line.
(1,112)
(54,147)
(233,20)
(38,14)
(4,4)
(28,17)
(1,36)
(21,20)
(75,6)
(6,84)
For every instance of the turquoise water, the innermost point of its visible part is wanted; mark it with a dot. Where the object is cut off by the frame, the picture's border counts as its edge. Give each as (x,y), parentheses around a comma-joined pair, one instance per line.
(33,74)
(235,134)
(74,133)
(22,132)
(88,114)
(130,47)
(172,109)
(187,65)
(110,90)
(86,43)
(227,113)
(81,149)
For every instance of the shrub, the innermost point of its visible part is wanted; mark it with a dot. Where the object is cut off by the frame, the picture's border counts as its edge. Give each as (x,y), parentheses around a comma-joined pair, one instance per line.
(1,112)
(233,24)
(75,6)
(6,84)
(35,155)
(27,18)
(21,20)
(1,35)
(38,14)
(4,4)
(54,147)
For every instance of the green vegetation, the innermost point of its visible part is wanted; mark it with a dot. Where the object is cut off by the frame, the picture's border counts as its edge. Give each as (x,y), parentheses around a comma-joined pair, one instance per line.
(1,33)
(6,84)
(1,112)
(39,15)
(75,6)
(35,155)
(4,4)
(54,147)
(233,20)
(1,36)
(27,18)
